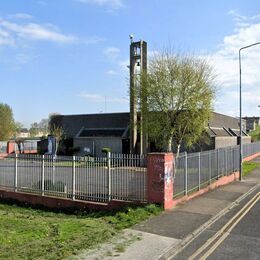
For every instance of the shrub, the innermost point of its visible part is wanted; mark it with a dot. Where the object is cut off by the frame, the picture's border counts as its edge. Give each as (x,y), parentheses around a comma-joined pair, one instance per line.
(49,185)
(106,150)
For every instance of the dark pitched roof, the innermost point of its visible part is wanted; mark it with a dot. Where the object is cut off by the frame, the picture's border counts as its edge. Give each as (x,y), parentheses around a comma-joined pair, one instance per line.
(217,131)
(220,120)
(236,132)
(73,123)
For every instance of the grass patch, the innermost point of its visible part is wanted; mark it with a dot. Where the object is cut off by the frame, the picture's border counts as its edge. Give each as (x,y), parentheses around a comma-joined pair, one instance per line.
(249,166)
(36,234)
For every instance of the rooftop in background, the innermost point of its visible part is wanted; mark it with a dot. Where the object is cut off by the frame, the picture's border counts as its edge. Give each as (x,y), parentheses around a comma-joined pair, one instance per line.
(221,120)
(73,124)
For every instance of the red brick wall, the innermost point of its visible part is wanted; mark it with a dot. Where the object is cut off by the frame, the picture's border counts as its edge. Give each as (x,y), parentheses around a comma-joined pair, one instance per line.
(60,203)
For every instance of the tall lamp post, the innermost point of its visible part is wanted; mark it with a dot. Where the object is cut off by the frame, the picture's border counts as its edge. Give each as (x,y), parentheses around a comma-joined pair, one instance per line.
(240,107)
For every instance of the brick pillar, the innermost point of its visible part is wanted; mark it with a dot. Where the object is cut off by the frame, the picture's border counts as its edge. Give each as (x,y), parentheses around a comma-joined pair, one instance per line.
(10,147)
(160,179)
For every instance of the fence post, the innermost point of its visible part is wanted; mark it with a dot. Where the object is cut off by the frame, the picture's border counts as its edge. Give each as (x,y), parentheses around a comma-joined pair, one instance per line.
(53,168)
(186,174)
(73,177)
(42,188)
(217,163)
(209,167)
(230,161)
(226,162)
(16,172)
(109,174)
(233,159)
(237,158)
(199,170)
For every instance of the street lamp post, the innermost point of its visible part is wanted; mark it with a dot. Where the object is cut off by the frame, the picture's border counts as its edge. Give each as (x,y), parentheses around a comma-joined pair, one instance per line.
(240,107)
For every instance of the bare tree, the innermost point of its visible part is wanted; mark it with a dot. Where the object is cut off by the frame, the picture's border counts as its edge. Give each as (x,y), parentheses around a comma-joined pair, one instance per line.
(177,95)
(59,134)
(20,145)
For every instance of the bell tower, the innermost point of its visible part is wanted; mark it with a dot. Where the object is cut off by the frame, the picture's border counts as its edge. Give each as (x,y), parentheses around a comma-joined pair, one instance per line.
(138,65)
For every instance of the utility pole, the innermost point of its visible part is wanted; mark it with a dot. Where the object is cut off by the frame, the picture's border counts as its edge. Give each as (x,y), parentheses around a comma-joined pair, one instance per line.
(240,108)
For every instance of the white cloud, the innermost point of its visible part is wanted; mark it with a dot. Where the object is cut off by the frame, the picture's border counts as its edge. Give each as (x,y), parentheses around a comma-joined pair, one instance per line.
(121,65)
(93,40)
(113,4)
(13,32)
(228,102)
(33,31)
(241,20)
(225,60)
(111,72)
(20,16)
(112,53)
(23,58)
(17,36)
(5,38)
(96,98)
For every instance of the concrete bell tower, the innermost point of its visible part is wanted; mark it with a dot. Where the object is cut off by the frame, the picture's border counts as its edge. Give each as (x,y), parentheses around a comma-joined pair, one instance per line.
(138,65)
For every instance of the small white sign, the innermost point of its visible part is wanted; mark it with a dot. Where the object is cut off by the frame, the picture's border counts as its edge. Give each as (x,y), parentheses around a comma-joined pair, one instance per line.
(87,149)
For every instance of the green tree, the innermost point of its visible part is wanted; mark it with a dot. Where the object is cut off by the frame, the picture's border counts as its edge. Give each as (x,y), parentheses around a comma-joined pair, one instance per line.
(176,99)
(256,134)
(7,124)
(18,127)
(34,129)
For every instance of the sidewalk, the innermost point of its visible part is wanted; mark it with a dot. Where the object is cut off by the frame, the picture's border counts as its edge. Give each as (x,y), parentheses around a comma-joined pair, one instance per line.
(155,237)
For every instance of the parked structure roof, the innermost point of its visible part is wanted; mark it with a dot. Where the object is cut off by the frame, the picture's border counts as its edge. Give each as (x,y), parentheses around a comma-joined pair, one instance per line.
(219,131)
(236,132)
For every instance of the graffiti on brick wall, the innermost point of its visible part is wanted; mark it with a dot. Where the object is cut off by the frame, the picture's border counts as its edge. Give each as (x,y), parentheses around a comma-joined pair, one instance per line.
(168,172)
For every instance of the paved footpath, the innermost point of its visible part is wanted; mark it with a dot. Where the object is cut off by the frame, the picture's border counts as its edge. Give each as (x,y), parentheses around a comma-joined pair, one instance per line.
(167,235)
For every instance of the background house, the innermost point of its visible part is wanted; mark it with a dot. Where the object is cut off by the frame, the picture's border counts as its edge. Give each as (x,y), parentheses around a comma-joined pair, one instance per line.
(224,131)
(23,133)
(251,123)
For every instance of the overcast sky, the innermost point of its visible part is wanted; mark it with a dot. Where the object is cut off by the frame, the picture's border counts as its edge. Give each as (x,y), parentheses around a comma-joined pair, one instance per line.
(70,56)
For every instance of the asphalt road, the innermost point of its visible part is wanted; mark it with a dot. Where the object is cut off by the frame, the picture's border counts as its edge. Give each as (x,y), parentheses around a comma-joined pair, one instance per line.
(244,240)
(235,236)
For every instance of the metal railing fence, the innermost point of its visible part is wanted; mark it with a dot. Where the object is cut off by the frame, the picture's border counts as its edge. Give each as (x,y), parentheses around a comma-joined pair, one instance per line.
(196,170)
(115,177)
(27,145)
(121,177)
